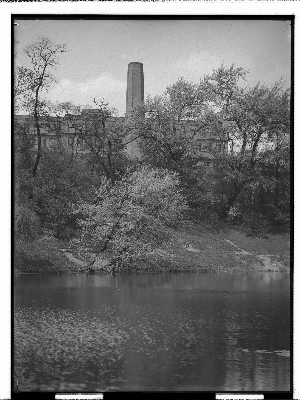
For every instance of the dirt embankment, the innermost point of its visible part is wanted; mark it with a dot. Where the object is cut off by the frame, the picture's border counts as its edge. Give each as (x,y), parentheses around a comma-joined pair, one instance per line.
(191,248)
(229,250)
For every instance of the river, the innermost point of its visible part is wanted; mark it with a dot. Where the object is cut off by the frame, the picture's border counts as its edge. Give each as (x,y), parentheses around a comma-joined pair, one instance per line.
(169,332)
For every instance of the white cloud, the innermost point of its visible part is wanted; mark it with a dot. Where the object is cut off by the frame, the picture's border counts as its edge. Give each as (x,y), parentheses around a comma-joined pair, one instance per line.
(104,86)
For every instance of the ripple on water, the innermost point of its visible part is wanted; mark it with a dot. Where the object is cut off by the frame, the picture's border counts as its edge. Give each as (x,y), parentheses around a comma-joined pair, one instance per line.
(169,339)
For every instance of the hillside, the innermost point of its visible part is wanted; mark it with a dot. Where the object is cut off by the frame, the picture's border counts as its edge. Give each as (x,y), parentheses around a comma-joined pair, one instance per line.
(190,248)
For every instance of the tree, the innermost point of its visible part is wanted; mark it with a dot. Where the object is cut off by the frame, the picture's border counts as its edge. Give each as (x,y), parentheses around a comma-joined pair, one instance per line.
(254,121)
(30,83)
(254,117)
(172,132)
(97,133)
(173,121)
(62,181)
(124,221)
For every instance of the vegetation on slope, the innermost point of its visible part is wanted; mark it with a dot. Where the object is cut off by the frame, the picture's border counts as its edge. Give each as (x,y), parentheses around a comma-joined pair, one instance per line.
(188,249)
(106,212)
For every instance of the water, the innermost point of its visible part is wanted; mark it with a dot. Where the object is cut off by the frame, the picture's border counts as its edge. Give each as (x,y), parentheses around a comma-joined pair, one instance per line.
(198,332)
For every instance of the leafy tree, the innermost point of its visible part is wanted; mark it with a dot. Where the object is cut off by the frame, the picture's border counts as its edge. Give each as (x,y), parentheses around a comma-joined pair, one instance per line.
(256,117)
(173,121)
(27,223)
(171,136)
(124,221)
(61,182)
(255,121)
(31,82)
(97,133)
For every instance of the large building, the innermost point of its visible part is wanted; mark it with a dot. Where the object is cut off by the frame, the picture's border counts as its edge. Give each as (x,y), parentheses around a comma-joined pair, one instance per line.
(71,130)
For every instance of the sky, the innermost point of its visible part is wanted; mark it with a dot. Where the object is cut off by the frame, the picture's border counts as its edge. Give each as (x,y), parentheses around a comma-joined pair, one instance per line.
(100,50)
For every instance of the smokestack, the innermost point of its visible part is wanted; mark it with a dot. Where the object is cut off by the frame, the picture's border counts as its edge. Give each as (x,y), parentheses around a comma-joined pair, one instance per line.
(135,86)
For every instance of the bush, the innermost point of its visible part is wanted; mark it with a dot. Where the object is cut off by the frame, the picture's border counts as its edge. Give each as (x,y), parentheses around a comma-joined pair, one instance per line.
(235,215)
(254,224)
(27,223)
(125,221)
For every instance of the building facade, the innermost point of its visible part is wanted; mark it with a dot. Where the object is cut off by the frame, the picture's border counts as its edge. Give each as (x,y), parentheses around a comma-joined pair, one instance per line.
(75,132)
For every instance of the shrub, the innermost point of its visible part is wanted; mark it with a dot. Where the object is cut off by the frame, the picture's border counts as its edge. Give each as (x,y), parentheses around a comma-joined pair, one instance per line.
(254,224)
(126,220)
(27,223)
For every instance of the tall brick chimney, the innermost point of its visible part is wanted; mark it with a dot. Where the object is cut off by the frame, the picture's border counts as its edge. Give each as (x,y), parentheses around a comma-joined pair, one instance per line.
(135,86)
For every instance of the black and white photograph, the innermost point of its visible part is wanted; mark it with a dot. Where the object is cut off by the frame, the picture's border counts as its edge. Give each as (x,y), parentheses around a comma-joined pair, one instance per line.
(152,204)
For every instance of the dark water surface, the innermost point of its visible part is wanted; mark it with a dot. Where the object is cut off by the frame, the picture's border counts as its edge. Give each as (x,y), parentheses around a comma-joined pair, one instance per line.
(168,332)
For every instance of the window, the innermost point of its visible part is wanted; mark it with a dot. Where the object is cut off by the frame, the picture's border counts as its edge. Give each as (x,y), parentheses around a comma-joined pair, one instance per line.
(70,141)
(218,147)
(80,142)
(200,146)
(44,143)
(52,142)
(58,126)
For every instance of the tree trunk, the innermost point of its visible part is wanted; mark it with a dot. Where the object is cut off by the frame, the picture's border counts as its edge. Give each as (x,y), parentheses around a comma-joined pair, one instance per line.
(262,199)
(230,202)
(38,155)
(277,184)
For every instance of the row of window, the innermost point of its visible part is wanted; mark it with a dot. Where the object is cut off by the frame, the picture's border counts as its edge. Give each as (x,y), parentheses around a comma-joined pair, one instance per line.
(45,144)
(52,142)
(209,146)
(79,142)
(206,164)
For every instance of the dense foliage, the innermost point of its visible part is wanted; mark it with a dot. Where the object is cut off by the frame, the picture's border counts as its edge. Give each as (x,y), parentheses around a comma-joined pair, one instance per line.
(124,221)
(112,207)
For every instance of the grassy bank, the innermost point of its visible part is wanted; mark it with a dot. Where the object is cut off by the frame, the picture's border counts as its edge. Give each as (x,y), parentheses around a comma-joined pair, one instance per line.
(44,255)
(190,248)
(226,250)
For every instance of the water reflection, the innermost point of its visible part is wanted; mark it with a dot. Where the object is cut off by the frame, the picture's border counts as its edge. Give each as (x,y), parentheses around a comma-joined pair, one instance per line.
(152,332)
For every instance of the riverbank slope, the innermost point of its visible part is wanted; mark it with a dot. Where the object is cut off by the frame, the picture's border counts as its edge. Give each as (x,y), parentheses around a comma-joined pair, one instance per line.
(190,248)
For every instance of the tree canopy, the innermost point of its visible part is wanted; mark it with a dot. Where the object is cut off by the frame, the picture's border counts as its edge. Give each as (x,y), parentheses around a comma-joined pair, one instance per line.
(114,207)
